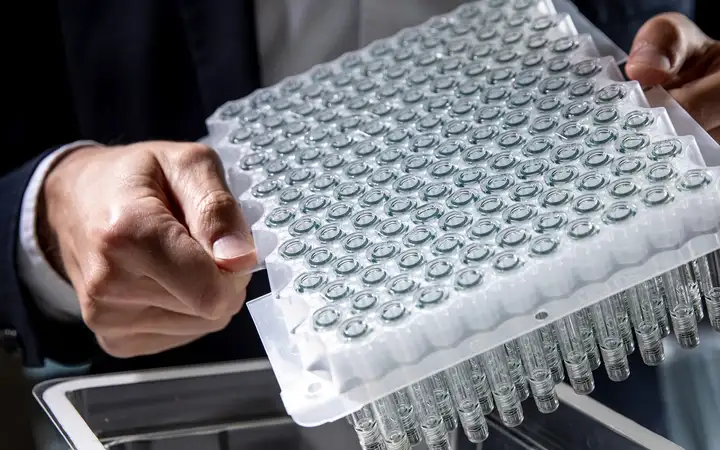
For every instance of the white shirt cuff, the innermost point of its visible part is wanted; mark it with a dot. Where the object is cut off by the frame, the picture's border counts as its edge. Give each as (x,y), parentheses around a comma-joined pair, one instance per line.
(53,295)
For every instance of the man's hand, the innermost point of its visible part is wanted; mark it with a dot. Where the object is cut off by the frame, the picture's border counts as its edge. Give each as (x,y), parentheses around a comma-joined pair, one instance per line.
(151,239)
(670,50)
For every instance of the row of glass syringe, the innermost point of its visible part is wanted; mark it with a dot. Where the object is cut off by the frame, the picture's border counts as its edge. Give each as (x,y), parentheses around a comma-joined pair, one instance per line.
(605,333)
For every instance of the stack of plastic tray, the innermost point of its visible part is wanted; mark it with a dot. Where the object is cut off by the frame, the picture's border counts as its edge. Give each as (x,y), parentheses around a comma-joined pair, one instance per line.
(461,216)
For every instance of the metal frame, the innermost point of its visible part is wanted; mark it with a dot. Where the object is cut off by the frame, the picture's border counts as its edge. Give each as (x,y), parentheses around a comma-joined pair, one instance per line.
(54,397)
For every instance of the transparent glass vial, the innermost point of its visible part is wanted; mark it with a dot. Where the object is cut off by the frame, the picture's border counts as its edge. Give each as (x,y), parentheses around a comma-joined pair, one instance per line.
(408,416)
(466,401)
(712,302)
(620,307)
(517,371)
(647,331)
(431,422)
(584,320)
(539,375)
(570,337)
(659,301)
(367,429)
(681,304)
(481,384)
(609,337)
(553,357)
(444,401)
(503,388)
(387,415)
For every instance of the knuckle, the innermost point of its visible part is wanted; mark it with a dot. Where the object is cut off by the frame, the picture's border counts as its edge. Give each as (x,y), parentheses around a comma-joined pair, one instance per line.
(118,232)
(216,204)
(217,199)
(129,230)
(97,283)
(192,154)
(109,239)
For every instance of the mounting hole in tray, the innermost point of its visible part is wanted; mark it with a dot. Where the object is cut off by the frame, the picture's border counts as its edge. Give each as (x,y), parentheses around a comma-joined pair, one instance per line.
(313,389)
(541,315)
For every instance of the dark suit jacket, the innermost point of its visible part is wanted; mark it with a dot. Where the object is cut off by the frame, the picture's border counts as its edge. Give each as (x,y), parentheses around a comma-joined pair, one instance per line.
(120,71)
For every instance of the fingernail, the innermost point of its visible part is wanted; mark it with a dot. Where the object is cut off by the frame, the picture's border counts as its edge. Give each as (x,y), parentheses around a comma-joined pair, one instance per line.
(232,246)
(651,56)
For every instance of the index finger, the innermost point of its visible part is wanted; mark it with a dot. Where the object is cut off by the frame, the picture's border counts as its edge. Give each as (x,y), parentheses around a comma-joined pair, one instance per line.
(181,266)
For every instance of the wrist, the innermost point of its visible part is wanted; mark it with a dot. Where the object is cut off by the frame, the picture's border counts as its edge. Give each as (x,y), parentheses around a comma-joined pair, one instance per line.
(50,204)
(47,238)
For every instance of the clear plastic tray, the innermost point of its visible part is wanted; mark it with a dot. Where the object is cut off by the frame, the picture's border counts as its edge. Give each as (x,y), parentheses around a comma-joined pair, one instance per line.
(441,192)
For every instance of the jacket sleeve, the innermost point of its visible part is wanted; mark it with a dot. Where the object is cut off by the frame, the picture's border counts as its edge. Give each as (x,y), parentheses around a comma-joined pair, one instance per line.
(42,336)
(37,336)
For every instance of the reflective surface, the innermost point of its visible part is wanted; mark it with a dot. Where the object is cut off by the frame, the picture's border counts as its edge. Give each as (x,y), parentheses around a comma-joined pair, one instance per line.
(236,406)
(690,388)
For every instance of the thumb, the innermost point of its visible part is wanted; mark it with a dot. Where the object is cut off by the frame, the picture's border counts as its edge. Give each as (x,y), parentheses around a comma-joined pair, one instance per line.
(211,212)
(661,47)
